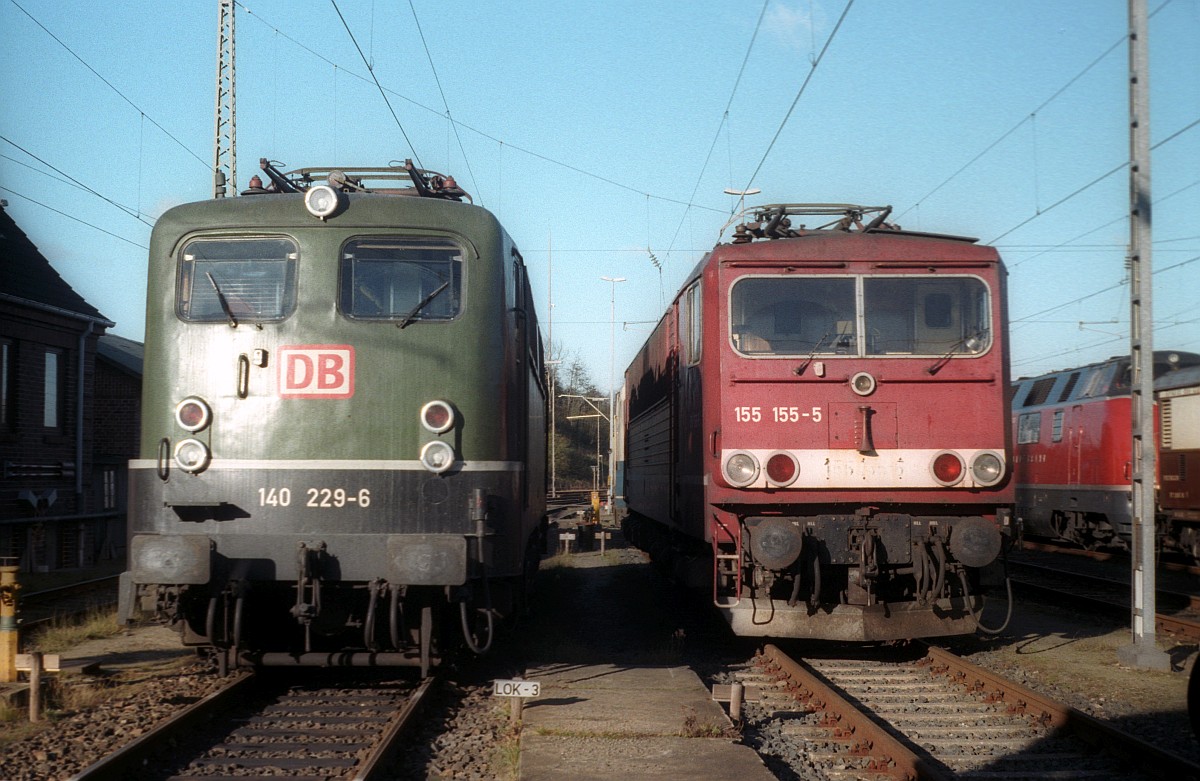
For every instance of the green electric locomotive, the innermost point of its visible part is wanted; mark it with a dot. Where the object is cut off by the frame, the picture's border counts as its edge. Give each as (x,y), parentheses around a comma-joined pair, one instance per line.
(343,423)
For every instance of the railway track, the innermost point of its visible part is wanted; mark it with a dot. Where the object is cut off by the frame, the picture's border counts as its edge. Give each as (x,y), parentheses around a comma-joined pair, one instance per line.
(257,728)
(1108,596)
(936,716)
(39,608)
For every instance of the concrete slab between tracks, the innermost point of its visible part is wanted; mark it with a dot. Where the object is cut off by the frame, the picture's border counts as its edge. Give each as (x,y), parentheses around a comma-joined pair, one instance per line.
(603,721)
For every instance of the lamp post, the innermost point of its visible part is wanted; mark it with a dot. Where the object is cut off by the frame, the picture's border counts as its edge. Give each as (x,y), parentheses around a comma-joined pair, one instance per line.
(612,371)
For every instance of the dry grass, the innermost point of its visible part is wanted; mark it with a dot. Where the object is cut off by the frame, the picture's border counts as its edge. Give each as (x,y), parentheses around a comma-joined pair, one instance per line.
(70,632)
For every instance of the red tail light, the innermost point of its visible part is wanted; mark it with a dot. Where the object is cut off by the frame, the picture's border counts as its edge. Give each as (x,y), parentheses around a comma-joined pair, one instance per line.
(192,414)
(437,416)
(782,469)
(947,467)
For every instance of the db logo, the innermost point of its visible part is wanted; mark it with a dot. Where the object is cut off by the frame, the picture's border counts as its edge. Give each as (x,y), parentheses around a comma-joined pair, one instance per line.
(316,371)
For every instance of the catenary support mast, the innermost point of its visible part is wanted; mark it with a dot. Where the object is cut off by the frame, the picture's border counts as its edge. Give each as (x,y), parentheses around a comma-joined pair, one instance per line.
(1142,651)
(225,128)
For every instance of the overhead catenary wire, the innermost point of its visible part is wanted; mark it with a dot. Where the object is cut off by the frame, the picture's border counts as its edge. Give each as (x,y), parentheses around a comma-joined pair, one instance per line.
(477,131)
(382,93)
(442,92)
(72,217)
(812,71)
(136,214)
(1028,117)
(724,120)
(110,85)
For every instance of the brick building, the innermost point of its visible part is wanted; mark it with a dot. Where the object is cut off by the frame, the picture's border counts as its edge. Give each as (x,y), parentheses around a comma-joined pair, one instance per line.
(53,508)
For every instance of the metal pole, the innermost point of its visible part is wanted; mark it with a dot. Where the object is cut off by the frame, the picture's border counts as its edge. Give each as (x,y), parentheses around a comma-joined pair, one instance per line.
(550,366)
(1143,652)
(612,371)
(8,622)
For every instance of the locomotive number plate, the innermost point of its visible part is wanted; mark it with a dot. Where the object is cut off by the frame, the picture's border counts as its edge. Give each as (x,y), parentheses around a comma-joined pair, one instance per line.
(336,498)
(777,414)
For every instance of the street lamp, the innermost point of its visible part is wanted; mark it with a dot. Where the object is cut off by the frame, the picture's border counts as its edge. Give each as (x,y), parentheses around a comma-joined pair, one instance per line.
(612,370)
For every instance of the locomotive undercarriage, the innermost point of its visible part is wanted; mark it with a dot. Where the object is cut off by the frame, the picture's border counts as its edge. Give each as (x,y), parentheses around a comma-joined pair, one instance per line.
(313,622)
(839,577)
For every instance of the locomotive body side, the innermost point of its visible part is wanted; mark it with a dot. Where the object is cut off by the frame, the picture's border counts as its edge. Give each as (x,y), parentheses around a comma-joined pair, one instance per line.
(838,457)
(369,440)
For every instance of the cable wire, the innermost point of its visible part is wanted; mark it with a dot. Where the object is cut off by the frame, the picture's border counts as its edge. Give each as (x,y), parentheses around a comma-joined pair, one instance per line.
(72,217)
(445,103)
(77,183)
(371,70)
(110,86)
(476,130)
(799,93)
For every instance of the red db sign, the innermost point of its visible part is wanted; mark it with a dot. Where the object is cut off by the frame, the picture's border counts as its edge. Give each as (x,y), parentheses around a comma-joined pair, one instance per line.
(316,371)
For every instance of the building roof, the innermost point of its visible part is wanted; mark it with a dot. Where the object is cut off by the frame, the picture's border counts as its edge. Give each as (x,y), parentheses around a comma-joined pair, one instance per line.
(27,277)
(126,354)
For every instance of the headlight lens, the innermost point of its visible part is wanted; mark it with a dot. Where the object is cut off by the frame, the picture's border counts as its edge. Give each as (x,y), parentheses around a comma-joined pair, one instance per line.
(863,384)
(321,200)
(437,416)
(437,456)
(987,468)
(193,414)
(741,469)
(192,455)
(947,467)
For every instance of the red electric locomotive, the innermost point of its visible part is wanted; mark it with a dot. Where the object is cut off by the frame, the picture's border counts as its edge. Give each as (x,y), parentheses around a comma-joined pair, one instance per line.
(817,428)
(1072,465)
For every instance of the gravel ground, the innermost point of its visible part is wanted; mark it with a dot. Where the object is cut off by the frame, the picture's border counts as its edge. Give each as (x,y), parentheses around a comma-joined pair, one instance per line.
(590,609)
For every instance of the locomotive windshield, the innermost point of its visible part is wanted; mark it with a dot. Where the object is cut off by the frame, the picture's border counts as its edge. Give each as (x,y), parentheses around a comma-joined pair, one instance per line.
(226,280)
(860,316)
(401,278)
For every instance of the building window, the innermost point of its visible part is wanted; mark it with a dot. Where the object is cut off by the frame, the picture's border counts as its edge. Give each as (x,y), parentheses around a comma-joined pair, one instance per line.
(110,489)
(7,361)
(53,396)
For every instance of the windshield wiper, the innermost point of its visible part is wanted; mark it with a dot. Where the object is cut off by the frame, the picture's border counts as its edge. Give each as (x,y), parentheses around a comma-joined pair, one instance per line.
(221,300)
(800,369)
(408,319)
(976,337)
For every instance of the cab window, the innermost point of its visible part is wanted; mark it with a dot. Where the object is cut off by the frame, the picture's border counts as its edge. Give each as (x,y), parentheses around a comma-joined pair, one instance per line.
(790,316)
(926,316)
(226,280)
(401,278)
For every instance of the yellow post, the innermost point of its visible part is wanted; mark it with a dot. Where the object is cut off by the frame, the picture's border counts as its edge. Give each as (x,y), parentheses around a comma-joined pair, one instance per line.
(8,623)
(596,506)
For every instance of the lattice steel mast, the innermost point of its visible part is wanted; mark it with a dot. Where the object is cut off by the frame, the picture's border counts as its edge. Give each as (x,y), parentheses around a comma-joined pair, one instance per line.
(225,128)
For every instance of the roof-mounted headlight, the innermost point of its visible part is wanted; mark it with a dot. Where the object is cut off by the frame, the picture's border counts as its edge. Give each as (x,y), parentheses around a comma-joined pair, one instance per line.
(322,201)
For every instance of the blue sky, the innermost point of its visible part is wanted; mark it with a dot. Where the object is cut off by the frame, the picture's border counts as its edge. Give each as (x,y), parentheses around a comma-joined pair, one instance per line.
(590,128)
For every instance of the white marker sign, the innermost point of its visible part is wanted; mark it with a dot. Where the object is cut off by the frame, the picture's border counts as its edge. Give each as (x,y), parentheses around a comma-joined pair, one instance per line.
(516,688)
